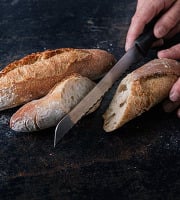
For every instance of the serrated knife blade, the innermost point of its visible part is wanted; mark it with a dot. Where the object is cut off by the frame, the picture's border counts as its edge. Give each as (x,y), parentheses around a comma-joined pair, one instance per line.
(68,121)
(133,55)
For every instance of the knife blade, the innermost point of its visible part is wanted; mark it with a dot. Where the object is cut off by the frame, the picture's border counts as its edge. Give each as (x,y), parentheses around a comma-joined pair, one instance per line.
(132,56)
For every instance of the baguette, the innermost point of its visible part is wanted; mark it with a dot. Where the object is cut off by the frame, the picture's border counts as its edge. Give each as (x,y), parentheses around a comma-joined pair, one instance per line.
(47,111)
(140,90)
(34,75)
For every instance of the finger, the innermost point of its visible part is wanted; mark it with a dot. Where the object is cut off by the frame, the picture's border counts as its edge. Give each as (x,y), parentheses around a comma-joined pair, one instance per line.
(145,12)
(170,106)
(175,92)
(172,53)
(138,22)
(173,32)
(168,21)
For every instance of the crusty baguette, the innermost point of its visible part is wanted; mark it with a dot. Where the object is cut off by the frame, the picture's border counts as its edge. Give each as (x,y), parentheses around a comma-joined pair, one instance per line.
(34,75)
(47,111)
(140,90)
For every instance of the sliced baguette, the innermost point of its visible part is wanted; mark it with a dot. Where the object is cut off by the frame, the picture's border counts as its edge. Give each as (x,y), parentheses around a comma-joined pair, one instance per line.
(34,75)
(47,111)
(140,90)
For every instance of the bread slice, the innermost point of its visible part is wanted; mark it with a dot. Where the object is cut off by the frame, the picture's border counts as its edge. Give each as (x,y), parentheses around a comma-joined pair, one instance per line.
(47,111)
(34,75)
(140,90)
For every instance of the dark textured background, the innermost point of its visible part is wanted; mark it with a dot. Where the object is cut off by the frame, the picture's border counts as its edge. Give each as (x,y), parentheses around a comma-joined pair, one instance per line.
(139,161)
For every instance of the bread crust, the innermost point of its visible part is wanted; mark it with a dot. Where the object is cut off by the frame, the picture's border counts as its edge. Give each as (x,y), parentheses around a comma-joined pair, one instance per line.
(32,58)
(144,88)
(34,75)
(157,68)
(47,111)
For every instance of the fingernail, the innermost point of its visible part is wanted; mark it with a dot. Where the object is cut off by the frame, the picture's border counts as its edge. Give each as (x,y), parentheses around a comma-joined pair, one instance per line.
(173,96)
(160,32)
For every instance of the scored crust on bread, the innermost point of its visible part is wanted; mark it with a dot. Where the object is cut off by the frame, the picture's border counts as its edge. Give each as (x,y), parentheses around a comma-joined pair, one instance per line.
(47,111)
(34,75)
(140,90)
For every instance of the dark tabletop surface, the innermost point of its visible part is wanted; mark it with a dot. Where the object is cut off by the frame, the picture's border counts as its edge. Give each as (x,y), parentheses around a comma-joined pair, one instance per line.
(139,161)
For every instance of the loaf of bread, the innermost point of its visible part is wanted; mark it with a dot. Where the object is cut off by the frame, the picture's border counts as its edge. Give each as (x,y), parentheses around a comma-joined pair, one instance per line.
(47,111)
(34,75)
(140,90)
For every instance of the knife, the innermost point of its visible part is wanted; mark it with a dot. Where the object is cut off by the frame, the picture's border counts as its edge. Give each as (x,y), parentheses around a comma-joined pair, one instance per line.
(132,56)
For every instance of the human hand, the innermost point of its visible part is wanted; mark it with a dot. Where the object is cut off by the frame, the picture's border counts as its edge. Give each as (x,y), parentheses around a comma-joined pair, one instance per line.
(174,97)
(167,26)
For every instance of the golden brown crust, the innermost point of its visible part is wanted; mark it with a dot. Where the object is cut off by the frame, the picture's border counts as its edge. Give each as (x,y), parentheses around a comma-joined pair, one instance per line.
(34,75)
(156,68)
(32,58)
(85,55)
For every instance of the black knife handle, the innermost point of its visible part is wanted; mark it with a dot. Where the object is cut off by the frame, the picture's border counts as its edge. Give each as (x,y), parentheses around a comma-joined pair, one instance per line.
(146,39)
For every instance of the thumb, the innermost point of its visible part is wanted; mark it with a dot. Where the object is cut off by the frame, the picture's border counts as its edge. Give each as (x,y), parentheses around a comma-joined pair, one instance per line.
(172,53)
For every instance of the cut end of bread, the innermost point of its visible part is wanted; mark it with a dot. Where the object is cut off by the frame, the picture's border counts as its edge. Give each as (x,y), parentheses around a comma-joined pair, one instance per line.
(117,107)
